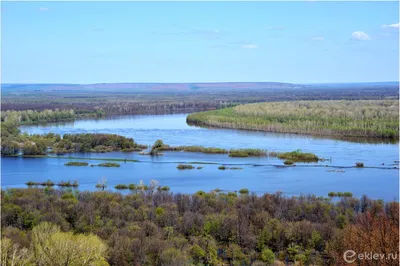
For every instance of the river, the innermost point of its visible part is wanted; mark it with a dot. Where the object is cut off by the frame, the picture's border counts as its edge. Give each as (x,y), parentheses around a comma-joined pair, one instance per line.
(257,174)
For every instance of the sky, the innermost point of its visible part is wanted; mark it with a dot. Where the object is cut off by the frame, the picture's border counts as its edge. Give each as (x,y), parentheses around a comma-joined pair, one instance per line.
(297,42)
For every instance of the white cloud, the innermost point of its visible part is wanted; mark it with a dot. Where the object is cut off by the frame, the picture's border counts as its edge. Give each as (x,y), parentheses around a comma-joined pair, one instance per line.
(395,25)
(318,38)
(249,46)
(360,36)
(43,9)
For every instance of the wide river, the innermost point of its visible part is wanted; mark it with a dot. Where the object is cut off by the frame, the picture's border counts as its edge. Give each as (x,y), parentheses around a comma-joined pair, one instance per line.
(257,174)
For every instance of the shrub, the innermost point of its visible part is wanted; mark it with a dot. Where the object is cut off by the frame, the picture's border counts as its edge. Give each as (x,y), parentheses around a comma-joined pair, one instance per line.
(132,187)
(109,165)
(48,183)
(298,156)
(201,193)
(76,164)
(359,164)
(332,194)
(121,186)
(68,184)
(244,191)
(185,166)
(31,183)
(103,186)
(267,256)
(288,162)
(232,194)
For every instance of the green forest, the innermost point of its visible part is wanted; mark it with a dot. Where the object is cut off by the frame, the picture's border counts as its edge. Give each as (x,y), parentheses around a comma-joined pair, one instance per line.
(372,118)
(157,227)
(12,141)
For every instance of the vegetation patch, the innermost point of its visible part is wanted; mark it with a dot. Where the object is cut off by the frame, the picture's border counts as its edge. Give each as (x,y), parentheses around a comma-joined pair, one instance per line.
(359,164)
(109,165)
(76,164)
(246,152)
(244,191)
(288,162)
(185,166)
(340,194)
(298,156)
(121,186)
(68,184)
(362,118)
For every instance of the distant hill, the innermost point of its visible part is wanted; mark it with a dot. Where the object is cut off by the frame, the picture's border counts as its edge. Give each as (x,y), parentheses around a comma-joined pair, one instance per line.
(151,86)
(181,87)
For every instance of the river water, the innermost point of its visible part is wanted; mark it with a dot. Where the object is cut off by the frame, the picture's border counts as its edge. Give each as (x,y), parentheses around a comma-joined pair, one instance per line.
(257,174)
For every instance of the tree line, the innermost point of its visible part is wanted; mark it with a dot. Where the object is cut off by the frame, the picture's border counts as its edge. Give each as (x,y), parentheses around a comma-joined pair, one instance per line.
(13,142)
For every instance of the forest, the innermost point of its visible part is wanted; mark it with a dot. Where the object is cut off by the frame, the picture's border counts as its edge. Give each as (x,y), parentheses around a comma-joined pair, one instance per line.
(157,227)
(45,116)
(369,118)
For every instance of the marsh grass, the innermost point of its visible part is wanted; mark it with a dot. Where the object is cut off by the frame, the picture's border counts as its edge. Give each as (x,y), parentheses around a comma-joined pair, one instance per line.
(185,166)
(76,164)
(247,152)
(68,184)
(356,118)
(109,165)
(298,156)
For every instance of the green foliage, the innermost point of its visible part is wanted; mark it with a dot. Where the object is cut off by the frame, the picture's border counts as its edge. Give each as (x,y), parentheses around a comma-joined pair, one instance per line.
(157,228)
(247,152)
(185,166)
(76,164)
(12,141)
(244,191)
(52,247)
(109,165)
(340,194)
(33,116)
(267,256)
(68,184)
(222,167)
(298,156)
(121,186)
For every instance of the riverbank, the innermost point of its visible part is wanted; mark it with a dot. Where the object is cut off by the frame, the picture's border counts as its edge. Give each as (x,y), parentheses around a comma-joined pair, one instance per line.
(371,119)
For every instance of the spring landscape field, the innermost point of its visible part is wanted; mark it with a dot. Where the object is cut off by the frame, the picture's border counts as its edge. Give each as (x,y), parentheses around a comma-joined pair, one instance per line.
(200,133)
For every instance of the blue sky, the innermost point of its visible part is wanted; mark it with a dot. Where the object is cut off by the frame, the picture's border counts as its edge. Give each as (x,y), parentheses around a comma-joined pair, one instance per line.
(299,42)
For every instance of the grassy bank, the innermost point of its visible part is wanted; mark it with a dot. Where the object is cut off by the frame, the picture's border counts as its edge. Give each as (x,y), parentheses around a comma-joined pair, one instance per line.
(372,118)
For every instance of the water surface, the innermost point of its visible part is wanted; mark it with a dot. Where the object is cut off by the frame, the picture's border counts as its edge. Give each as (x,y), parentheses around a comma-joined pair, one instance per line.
(173,130)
